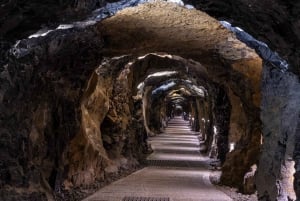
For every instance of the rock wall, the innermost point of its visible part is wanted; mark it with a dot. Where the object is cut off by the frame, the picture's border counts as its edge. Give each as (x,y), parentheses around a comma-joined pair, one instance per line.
(51,117)
(275,22)
(40,110)
(108,137)
(19,19)
(52,130)
(221,118)
(279,112)
(242,86)
(87,156)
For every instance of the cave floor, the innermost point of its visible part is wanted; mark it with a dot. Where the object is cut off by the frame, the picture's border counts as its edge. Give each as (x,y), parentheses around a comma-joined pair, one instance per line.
(176,172)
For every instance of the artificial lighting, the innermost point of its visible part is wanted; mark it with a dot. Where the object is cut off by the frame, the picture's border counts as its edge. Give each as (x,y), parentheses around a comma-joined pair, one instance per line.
(142,57)
(179,2)
(231,146)
(164,87)
(65,26)
(215,130)
(163,73)
(40,33)
(140,85)
(198,90)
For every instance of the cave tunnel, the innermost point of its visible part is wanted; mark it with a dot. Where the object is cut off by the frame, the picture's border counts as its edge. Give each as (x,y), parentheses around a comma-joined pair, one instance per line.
(174,95)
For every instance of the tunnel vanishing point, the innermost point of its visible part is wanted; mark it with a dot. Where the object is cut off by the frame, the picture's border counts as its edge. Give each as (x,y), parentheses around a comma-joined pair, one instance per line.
(85,83)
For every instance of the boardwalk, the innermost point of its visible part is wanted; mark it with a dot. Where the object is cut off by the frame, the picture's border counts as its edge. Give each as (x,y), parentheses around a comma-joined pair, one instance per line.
(176,172)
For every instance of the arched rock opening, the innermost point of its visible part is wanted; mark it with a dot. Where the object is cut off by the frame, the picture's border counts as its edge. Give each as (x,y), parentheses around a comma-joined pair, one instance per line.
(67,120)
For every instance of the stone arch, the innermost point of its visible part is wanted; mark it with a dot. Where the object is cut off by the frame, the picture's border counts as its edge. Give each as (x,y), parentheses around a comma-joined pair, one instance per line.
(194,35)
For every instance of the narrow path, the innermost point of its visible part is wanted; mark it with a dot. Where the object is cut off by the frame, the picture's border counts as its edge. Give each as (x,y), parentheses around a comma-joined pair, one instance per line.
(176,172)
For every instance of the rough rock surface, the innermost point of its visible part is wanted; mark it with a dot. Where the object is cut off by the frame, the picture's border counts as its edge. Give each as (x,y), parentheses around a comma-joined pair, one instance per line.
(40,108)
(149,28)
(275,22)
(58,72)
(280,34)
(19,19)
(50,121)
(231,192)
(53,133)
(280,96)
(249,181)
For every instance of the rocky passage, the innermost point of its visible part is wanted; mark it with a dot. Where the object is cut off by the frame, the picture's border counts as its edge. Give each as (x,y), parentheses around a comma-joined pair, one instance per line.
(176,171)
(80,97)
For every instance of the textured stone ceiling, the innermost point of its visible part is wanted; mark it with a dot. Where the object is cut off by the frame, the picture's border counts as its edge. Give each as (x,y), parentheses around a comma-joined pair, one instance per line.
(166,27)
(54,79)
(275,22)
